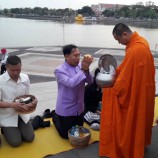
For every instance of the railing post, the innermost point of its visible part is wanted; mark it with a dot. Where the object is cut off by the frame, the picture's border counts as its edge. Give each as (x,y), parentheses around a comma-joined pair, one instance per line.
(155,48)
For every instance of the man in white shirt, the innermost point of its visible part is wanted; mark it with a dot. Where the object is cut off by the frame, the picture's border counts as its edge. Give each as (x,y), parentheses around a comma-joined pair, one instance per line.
(16,127)
(3,60)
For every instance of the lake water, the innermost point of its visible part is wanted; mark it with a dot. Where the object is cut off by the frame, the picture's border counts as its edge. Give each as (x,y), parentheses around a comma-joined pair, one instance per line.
(24,32)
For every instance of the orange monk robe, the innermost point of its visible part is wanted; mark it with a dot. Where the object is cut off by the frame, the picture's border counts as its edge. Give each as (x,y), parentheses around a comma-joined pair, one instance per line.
(128,107)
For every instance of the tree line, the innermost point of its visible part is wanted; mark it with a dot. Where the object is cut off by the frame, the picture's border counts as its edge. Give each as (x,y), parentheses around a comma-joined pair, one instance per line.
(138,11)
(134,12)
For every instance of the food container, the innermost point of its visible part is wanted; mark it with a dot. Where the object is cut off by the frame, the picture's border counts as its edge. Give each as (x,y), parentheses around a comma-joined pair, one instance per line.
(30,102)
(81,139)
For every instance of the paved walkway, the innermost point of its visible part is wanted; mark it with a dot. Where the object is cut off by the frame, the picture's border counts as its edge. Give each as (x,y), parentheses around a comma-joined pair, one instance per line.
(40,62)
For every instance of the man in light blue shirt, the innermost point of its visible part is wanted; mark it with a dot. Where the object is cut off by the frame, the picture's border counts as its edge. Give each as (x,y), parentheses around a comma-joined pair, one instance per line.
(71,78)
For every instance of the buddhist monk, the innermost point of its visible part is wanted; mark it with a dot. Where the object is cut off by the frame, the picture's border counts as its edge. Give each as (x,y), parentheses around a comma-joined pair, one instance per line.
(128,106)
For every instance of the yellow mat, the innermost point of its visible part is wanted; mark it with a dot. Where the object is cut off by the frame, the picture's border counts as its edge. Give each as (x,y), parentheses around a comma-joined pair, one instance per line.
(47,141)
(156,111)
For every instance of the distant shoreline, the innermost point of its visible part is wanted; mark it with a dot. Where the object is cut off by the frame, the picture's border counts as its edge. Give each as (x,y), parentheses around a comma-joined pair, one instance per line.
(146,23)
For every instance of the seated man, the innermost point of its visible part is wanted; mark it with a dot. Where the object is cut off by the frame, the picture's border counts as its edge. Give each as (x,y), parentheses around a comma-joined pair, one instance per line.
(92,102)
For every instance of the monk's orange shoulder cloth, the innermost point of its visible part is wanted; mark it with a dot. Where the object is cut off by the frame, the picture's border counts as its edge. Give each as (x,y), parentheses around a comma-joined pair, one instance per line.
(128,107)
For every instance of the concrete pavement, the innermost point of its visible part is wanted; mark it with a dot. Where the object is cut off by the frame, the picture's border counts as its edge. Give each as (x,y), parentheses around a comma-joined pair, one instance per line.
(46,94)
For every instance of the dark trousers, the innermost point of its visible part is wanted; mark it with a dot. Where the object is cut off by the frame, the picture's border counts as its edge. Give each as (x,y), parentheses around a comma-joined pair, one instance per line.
(3,68)
(15,135)
(64,123)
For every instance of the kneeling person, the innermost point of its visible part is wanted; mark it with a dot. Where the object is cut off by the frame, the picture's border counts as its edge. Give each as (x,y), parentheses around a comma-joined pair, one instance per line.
(16,127)
(71,78)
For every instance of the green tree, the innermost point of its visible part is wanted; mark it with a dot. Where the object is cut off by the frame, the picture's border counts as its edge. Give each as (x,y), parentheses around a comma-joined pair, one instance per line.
(15,10)
(124,11)
(86,11)
(6,11)
(108,13)
(37,11)
(149,12)
(44,11)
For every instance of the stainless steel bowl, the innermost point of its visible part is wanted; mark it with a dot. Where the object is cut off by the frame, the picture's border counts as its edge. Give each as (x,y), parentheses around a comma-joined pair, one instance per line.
(106,60)
(105,80)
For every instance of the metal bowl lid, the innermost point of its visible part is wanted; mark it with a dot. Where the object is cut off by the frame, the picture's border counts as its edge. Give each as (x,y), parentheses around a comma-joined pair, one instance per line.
(105,61)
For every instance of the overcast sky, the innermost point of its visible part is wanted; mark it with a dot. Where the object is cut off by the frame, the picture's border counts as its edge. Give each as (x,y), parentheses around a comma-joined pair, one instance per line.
(74,4)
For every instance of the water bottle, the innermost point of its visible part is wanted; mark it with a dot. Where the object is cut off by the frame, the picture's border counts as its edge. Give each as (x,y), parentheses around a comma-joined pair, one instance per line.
(76,132)
(72,131)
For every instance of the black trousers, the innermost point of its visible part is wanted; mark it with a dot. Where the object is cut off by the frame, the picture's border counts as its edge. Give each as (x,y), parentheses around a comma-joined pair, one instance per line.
(3,68)
(64,123)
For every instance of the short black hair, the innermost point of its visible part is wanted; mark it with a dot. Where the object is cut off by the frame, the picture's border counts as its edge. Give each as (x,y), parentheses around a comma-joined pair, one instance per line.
(13,60)
(120,28)
(67,49)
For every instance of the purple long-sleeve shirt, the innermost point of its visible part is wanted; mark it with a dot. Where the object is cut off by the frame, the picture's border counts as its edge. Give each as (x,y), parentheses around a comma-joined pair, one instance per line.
(71,84)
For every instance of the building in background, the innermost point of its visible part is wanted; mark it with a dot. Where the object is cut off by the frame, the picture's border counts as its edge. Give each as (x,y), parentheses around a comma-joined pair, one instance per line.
(98,9)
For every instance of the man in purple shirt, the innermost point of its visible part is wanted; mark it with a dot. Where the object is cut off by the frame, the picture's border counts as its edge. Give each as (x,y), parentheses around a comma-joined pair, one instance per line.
(71,78)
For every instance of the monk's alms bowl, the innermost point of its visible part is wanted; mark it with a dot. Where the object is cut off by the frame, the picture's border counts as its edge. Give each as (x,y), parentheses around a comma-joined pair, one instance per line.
(106,77)
(105,80)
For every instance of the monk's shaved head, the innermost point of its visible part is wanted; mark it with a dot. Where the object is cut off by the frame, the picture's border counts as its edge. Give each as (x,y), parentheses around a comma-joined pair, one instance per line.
(120,28)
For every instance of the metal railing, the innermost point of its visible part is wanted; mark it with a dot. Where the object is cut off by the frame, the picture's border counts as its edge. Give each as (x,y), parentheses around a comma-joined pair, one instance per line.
(156,48)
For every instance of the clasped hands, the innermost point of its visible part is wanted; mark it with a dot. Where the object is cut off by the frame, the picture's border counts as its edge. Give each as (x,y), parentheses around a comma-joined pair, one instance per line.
(86,62)
(22,107)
